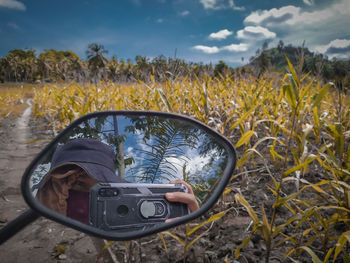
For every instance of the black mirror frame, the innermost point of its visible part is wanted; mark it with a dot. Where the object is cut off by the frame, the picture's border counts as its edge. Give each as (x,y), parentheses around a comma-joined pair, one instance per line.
(42,210)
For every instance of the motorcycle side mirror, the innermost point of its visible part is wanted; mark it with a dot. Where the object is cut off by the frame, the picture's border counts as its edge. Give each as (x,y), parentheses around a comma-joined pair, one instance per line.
(122,175)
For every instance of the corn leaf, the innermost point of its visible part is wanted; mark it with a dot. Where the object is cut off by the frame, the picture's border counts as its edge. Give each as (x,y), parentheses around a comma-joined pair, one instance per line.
(240,199)
(315,259)
(291,68)
(164,99)
(340,244)
(319,97)
(243,244)
(299,167)
(329,253)
(245,157)
(163,241)
(244,116)
(284,200)
(175,237)
(211,219)
(108,244)
(288,93)
(266,227)
(244,139)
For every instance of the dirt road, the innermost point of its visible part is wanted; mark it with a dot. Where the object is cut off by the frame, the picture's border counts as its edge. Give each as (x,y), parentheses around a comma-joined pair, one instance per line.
(39,241)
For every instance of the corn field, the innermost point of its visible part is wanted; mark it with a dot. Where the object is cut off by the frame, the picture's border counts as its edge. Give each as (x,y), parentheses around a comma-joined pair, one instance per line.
(292,129)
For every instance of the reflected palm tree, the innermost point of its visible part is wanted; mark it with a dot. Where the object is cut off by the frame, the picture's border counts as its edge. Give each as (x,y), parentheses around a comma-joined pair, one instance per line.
(164,147)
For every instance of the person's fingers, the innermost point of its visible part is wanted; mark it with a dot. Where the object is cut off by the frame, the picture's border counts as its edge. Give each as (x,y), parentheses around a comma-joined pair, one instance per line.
(190,191)
(171,219)
(186,198)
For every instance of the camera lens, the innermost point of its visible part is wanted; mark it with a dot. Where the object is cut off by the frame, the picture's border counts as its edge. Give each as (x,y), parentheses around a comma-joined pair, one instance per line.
(159,208)
(108,192)
(102,192)
(122,210)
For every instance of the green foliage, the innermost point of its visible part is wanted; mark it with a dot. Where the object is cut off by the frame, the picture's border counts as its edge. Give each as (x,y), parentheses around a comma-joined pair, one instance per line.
(320,66)
(220,69)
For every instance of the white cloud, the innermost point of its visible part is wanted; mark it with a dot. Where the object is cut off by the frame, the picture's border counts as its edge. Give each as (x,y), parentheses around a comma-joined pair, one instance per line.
(13,4)
(236,47)
(207,50)
(234,7)
(274,15)
(208,4)
(222,34)
(214,50)
(184,13)
(324,28)
(220,4)
(308,2)
(336,48)
(255,32)
(287,14)
(343,7)
(160,20)
(294,24)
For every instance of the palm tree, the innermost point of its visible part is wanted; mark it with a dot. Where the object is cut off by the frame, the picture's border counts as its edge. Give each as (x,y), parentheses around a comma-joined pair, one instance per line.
(47,62)
(113,68)
(96,59)
(4,70)
(13,62)
(79,69)
(159,65)
(30,64)
(142,68)
(164,147)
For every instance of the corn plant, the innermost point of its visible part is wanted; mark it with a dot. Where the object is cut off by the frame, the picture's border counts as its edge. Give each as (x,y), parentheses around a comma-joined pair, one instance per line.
(189,237)
(300,102)
(13,100)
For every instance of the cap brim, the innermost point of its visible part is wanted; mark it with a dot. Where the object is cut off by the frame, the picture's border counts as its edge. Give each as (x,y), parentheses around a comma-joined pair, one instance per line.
(96,171)
(100,173)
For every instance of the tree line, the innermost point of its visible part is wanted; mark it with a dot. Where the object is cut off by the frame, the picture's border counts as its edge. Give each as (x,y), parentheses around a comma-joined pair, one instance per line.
(52,65)
(320,66)
(23,65)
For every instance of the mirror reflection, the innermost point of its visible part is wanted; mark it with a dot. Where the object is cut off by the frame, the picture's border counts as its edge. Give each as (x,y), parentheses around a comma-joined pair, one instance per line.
(122,173)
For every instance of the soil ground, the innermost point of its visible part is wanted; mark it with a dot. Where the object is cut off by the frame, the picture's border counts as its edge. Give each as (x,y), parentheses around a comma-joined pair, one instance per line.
(38,241)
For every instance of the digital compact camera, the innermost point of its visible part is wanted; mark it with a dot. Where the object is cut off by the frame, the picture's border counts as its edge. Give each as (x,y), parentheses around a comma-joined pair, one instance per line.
(133,206)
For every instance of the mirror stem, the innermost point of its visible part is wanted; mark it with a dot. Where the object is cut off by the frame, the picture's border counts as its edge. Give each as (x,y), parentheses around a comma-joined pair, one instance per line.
(17,225)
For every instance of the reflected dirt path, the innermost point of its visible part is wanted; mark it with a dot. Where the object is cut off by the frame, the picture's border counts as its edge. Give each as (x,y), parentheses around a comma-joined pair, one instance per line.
(38,241)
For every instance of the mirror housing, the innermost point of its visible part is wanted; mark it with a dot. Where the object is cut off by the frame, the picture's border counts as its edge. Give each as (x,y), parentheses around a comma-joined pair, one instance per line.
(214,192)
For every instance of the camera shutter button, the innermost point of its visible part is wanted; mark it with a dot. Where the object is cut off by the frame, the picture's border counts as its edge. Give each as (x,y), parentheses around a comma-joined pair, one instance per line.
(147,209)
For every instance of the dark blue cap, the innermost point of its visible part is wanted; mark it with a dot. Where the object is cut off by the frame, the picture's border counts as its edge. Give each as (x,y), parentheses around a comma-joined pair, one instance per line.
(95,157)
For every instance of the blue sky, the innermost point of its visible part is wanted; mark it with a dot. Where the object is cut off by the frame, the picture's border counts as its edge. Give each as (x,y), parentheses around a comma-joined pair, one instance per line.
(199,30)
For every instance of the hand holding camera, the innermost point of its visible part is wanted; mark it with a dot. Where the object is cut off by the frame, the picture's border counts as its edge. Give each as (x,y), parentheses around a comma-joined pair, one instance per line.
(129,206)
(181,197)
